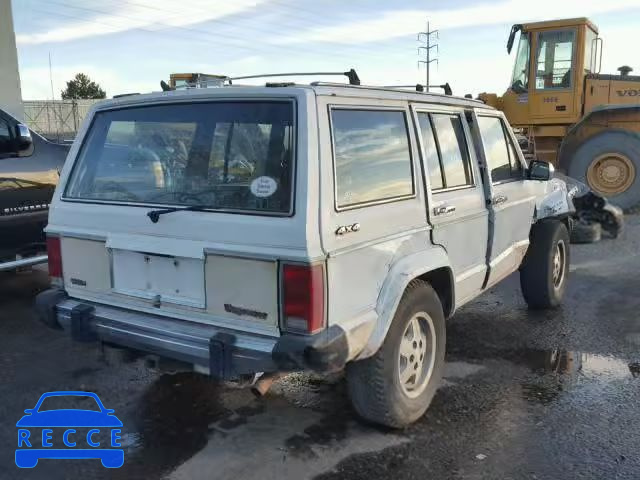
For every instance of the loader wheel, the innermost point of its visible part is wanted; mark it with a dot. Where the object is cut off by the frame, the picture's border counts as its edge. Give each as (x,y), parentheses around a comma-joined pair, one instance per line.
(586,232)
(544,271)
(395,386)
(610,164)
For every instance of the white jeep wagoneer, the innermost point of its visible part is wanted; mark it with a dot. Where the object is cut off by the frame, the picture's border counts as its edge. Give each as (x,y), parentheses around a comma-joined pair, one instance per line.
(290,227)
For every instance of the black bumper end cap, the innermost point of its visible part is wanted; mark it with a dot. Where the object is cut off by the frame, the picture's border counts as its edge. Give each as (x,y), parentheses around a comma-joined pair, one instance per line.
(81,330)
(323,352)
(46,306)
(220,358)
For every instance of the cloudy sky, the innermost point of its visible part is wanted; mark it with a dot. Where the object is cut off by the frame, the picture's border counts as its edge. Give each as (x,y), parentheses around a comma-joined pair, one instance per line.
(130,45)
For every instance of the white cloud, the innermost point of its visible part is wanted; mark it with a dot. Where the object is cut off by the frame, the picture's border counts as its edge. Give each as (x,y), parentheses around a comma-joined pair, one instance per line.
(148,14)
(395,24)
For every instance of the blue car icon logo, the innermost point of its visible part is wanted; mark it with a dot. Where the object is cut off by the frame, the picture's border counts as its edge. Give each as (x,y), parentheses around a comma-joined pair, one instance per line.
(89,431)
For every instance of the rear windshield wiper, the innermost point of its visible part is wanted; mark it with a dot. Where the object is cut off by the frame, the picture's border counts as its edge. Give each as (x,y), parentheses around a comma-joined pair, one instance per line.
(154,215)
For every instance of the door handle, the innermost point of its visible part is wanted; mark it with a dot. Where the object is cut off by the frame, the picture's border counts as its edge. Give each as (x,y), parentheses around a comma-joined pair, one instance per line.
(498,199)
(444,209)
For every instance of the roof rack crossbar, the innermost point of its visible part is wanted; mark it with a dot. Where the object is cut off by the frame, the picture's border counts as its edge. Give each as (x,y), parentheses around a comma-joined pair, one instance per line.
(351,75)
(420,88)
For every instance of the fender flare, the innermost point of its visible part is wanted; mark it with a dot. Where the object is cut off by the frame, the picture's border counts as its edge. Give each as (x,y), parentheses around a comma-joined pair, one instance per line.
(400,274)
(572,139)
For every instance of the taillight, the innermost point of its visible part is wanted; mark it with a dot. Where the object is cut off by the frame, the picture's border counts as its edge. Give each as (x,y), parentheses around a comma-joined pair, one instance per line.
(55,259)
(303,298)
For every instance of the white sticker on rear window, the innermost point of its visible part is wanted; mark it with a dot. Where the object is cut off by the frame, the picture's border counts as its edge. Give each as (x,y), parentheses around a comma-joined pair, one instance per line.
(264,187)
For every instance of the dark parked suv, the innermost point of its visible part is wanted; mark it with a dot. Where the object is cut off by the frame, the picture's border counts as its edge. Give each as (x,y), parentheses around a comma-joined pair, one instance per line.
(29,170)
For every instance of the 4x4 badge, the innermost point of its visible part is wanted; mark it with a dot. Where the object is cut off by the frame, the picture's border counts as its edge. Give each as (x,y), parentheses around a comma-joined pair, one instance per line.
(348,229)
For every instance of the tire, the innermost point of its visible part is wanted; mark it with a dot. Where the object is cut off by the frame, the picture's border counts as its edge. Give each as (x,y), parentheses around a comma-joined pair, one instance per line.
(540,288)
(613,141)
(377,393)
(583,232)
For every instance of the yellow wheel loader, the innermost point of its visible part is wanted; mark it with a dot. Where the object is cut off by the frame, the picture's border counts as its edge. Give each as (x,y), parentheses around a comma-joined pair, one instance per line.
(584,122)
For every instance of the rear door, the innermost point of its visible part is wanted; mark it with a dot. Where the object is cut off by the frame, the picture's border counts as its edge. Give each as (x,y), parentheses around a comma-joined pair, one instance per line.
(458,211)
(512,196)
(373,207)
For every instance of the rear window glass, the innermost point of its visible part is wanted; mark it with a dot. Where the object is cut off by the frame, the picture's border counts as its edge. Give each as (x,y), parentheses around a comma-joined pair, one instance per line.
(234,156)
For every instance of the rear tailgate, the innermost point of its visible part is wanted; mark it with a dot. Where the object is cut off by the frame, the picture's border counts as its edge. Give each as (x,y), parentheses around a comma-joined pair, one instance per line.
(186,282)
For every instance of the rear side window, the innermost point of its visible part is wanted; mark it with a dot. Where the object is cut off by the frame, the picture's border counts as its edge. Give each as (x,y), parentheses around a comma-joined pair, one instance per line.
(230,156)
(372,156)
(499,152)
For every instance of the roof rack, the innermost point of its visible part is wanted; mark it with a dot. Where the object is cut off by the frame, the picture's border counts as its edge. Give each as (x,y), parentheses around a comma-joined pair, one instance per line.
(220,79)
(387,89)
(351,75)
(420,88)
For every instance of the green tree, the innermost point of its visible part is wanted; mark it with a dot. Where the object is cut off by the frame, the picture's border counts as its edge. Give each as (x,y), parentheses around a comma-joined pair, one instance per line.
(82,87)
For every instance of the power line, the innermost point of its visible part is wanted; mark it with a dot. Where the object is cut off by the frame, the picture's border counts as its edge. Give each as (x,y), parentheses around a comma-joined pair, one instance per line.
(426,45)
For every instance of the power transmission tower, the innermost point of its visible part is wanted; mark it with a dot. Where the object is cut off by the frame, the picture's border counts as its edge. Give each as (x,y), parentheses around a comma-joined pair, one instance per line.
(426,45)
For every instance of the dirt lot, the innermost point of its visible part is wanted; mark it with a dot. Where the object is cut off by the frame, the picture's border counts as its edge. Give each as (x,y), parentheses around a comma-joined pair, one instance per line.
(527,395)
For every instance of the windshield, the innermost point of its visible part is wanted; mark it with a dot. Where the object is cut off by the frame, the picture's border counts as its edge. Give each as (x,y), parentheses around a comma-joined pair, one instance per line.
(221,155)
(520,80)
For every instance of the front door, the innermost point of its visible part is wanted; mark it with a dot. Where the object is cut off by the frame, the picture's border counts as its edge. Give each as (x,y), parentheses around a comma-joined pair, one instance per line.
(512,203)
(456,199)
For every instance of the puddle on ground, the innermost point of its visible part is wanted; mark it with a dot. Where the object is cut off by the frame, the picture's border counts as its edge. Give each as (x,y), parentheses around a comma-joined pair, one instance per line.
(559,371)
(564,362)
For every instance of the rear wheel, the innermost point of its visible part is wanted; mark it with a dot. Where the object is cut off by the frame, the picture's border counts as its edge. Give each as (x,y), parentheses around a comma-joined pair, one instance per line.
(544,271)
(610,164)
(396,385)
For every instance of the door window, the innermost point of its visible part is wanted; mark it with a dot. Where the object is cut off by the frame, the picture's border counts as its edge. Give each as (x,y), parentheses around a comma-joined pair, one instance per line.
(554,59)
(372,156)
(452,146)
(500,153)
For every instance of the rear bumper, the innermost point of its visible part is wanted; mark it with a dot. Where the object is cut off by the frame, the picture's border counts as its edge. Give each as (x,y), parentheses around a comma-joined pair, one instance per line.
(225,353)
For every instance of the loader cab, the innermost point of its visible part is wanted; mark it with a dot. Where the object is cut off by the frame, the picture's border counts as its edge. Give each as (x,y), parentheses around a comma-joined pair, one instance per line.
(551,61)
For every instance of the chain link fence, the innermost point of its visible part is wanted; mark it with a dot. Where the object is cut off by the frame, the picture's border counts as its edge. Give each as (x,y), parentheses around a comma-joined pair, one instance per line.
(56,120)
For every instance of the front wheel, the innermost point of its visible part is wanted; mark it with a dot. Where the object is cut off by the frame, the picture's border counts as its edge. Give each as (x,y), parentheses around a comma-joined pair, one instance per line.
(544,271)
(395,386)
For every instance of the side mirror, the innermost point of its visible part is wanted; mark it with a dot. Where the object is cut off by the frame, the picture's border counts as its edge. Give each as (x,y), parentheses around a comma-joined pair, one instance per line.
(540,170)
(29,411)
(23,140)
